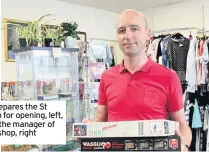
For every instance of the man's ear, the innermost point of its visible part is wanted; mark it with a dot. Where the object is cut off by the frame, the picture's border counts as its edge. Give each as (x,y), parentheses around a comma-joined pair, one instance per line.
(149,35)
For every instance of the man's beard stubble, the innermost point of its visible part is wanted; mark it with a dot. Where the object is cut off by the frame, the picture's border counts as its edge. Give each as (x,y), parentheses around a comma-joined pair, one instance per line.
(134,51)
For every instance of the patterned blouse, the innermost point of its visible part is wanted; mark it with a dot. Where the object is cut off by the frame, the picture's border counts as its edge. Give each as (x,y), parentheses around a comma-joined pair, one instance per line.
(177,55)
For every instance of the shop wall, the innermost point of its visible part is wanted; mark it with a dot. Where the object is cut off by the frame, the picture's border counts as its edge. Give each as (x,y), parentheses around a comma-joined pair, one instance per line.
(206,14)
(185,14)
(96,23)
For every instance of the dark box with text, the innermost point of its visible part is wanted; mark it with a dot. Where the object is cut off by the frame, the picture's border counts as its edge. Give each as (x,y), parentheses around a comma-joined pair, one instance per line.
(169,143)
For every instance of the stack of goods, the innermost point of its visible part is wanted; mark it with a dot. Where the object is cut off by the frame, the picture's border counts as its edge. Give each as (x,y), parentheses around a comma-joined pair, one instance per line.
(149,135)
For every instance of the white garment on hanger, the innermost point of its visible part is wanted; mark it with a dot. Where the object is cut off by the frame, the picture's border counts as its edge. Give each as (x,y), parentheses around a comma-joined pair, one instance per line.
(191,73)
(204,61)
(160,60)
(153,48)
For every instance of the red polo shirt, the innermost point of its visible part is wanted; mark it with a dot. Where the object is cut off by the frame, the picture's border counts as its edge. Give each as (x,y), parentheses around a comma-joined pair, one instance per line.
(149,93)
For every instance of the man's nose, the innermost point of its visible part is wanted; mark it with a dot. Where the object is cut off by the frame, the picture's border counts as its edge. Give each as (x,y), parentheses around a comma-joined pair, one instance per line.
(129,34)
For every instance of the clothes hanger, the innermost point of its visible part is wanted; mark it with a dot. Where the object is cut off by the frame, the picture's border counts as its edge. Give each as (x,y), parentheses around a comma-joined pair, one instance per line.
(203,37)
(199,36)
(190,35)
(177,35)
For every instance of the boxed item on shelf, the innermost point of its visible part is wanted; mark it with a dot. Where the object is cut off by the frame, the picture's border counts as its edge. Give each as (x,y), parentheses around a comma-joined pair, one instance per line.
(166,143)
(125,129)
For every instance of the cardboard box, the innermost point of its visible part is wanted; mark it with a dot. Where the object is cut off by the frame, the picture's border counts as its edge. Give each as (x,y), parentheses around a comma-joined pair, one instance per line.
(146,128)
(170,143)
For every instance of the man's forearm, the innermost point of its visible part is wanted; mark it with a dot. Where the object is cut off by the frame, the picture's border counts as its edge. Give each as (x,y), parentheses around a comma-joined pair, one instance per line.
(101,114)
(186,133)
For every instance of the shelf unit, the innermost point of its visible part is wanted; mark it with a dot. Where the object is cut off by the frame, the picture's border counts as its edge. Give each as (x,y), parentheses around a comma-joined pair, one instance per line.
(49,73)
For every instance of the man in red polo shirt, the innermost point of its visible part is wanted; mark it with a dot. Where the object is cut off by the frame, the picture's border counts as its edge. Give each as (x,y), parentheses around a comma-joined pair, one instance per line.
(139,88)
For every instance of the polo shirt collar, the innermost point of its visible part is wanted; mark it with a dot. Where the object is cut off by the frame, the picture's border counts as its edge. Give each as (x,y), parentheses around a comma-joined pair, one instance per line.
(146,68)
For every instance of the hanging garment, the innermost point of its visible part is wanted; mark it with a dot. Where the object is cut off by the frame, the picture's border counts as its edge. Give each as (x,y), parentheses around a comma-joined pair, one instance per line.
(191,73)
(196,120)
(164,52)
(187,111)
(206,119)
(202,133)
(193,143)
(158,53)
(153,49)
(197,140)
(198,61)
(177,55)
(199,71)
(205,129)
(185,98)
(204,61)
(160,59)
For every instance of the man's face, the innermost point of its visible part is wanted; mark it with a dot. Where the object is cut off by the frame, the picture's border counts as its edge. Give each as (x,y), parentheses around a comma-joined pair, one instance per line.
(132,34)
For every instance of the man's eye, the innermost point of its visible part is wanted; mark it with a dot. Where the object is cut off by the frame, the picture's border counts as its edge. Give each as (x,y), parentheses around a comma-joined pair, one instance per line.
(121,31)
(134,29)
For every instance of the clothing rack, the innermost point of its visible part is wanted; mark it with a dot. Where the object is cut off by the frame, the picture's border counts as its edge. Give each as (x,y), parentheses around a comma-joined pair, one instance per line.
(202,32)
(177,29)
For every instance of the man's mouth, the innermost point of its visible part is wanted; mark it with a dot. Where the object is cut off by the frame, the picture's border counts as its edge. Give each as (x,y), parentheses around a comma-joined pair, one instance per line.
(128,44)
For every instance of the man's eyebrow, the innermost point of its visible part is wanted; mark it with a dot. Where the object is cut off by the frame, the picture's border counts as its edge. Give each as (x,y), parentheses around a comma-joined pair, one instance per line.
(121,27)
(133,25)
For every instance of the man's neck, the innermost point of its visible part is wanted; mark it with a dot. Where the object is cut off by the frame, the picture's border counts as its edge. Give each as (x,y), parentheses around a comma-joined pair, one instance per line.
(133,64)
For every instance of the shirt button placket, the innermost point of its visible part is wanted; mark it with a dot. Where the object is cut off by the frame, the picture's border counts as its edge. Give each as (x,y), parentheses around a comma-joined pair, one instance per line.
(131,77)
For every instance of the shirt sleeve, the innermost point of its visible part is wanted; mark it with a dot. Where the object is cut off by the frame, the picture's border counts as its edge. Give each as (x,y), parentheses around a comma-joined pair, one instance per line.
(175,94)
(102,100)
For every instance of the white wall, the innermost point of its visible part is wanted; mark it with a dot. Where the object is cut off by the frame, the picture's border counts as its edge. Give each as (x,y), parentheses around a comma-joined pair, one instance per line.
(206,14)
(186,14)
(96,23)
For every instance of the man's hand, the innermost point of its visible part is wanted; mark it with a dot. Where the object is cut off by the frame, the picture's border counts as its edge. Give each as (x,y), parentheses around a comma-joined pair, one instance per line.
(85,120)
(185,130)
(183,145)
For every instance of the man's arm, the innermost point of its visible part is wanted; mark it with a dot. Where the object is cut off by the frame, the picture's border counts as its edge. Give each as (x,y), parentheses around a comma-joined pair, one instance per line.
(175,107)
(101,114)
(185,130)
